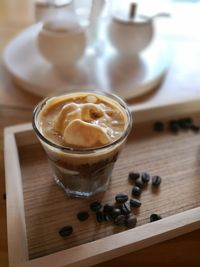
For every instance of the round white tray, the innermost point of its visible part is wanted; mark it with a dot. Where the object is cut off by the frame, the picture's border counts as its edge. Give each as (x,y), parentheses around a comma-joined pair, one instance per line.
(104,70)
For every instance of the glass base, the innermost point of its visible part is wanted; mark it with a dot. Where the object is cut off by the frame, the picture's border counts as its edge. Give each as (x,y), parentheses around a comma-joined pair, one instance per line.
(87,180)
(79,194)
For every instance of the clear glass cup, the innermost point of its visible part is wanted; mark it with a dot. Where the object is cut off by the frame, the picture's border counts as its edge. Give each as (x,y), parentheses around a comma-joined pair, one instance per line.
(83,172)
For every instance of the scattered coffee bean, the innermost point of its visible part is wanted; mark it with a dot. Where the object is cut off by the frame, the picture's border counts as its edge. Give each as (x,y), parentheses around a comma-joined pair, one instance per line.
(133,176)
(195,128)
(156,180)
(174,126)
(145,177)
(120,213)
(95,206)
(100,216)
(107,208)
(116,212)
(83,215)
(131,221)
(179,124)
(155,217)
(125,210)
(121,198)
(4,196)
(135,203)
(136,191)
(120,220)
(139,183)
(66,231)
(158,126)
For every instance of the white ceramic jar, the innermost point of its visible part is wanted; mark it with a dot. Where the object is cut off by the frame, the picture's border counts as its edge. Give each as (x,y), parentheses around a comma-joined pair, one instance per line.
(62,41)
(130,35)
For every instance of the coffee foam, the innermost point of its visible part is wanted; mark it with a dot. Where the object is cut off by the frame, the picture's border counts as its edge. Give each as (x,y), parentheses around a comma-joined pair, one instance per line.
(83,134)
(82,121)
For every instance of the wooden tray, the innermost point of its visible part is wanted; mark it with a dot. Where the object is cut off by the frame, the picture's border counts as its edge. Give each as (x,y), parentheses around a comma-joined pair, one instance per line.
(37,208)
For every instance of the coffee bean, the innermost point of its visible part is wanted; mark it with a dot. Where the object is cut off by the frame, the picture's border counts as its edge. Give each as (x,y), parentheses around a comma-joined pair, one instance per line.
(174,126)
(107,217)
(155,217)
(107,208)
(120,220)
(136,191)
(133,176)
(95,206)
(116,212)
(66,231)
(145,177)
(156,180)
(125,210)
(131,221)
(173,122)
(121,198)
(83,215)
(195,128)
(100,216)
(184,123)
(139,183)
(158,126)
(135,203)
(188,120)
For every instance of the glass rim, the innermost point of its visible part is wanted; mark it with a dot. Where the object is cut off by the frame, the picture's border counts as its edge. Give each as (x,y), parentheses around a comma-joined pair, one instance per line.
(73,150)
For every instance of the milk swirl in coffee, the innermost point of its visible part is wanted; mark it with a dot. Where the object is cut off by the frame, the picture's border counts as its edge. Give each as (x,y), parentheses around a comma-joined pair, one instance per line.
(83,121)
(82,134)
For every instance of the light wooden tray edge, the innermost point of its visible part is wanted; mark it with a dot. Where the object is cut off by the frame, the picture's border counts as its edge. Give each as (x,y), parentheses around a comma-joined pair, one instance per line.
(147,112)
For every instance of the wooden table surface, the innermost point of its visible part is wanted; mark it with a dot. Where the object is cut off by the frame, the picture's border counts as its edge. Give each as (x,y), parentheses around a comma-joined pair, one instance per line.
(182,83)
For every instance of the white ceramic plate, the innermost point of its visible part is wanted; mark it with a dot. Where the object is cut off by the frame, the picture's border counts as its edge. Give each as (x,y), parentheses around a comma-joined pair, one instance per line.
(103,70)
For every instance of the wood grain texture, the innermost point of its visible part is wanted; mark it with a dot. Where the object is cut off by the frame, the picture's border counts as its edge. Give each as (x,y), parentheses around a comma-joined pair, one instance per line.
(175,157)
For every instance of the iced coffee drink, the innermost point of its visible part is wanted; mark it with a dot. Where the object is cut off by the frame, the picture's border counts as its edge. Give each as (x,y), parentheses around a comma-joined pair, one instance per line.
(82,134)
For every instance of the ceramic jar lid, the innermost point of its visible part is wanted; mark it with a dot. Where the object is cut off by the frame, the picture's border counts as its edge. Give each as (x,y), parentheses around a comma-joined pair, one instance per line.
(55,3)
(130,16)
(61,25)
